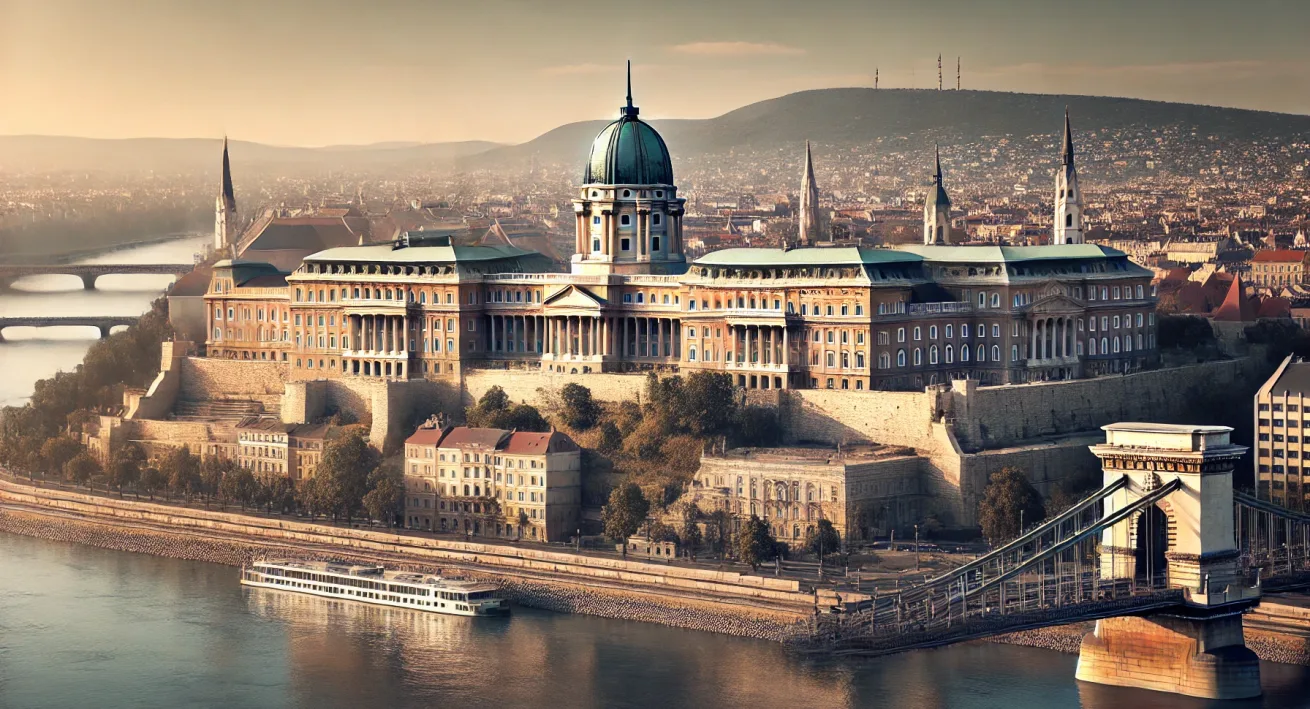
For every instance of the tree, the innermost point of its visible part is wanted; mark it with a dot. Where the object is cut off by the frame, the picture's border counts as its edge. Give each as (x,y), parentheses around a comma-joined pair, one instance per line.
(345,467)
(237,486)
(1008,496)
(718,530)
(757,426)
(385,499)
(182,470)
(493,403)
(82,468)
(710,402)
(578,409)
(824,539)
(689,534)
(125,466)
(1183,332)
(152,480)
(523,417)
(755,543)
(625,512)
(611,439)
(57,451)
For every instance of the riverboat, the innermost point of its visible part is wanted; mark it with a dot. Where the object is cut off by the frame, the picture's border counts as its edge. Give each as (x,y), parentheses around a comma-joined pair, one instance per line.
(374,584)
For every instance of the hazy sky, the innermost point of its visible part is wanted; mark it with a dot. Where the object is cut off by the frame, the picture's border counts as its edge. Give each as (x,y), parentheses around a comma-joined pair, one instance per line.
(315,72)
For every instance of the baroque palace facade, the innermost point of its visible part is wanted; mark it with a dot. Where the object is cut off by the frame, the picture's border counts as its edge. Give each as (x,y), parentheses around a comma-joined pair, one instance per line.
(818,317)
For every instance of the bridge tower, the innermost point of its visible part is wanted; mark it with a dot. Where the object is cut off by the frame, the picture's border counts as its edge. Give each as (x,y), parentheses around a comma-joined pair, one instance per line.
(1188,537)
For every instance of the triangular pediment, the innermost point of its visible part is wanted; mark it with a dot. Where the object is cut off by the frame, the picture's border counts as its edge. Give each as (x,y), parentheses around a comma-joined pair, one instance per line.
(574,298)
(1056,304)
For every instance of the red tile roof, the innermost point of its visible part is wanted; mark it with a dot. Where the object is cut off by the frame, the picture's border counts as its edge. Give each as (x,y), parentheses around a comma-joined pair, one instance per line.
(463,436)
(1236,306)
(1275,308)
(426,437)
(1281,256)
(525,443)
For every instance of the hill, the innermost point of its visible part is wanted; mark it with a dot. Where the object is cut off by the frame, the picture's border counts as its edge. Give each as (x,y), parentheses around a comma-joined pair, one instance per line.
(857,116)
(40,153)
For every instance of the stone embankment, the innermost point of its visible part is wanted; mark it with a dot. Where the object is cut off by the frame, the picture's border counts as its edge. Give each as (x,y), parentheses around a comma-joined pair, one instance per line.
(571,590)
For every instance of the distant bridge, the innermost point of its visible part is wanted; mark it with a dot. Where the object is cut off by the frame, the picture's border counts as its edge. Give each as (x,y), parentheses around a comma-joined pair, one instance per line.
(104,323)
(9,273)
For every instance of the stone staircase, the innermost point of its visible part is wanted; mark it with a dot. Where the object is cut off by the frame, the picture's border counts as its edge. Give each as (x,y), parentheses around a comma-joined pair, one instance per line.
(217,410)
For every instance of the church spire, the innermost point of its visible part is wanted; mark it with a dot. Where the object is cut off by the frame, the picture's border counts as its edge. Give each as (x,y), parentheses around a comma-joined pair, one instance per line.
(225,208)
(1068,139)
(937,208)
(1068,226)
(809,207)
(226,191)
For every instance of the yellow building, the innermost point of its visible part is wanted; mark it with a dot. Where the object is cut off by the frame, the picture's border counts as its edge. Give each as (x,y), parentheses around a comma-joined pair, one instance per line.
(488,482)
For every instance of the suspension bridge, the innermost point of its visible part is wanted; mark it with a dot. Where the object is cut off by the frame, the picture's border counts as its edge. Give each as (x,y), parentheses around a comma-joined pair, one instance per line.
(1166,556)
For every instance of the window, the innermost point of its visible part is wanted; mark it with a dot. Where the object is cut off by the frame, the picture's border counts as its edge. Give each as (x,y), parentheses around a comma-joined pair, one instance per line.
(996,300)
(982,299)
(950,354)
(918,357)
(950,331)
(996,353)
(932,332)
(964,330)
(900,358)
(1014,353)
(900,334)
(996,330)
(918,333)
(932,355)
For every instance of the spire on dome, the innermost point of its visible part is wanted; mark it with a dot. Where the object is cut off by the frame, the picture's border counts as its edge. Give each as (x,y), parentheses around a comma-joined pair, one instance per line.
(629,110)
(937,177)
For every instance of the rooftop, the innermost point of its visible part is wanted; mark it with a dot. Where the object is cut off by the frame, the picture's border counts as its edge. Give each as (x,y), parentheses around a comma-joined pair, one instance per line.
(389,253)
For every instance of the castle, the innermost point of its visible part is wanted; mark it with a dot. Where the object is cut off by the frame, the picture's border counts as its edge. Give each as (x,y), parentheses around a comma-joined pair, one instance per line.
(846,318)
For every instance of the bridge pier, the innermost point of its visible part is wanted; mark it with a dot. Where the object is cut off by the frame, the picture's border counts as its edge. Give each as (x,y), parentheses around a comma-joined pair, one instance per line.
(104,330)
(88,281)
(1197,657)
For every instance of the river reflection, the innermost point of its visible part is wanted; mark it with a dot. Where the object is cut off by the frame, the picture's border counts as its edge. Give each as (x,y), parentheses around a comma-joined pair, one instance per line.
(86,627)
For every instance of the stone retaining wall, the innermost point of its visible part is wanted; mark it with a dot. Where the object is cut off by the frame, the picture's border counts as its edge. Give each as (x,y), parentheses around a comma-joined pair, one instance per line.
(204,378)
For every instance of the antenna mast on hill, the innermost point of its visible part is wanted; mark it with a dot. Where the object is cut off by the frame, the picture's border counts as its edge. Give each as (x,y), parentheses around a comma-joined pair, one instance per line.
(939,72)
(875,78)
(957,73)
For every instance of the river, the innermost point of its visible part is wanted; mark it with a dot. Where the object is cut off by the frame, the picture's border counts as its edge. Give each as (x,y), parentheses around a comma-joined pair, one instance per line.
(27,355)
(88,627)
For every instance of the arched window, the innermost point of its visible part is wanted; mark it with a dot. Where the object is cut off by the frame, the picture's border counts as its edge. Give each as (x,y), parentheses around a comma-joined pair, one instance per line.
(900,358)
(1105,346)
(1068,220)
(950,354)
(1091,346)
(918,357)
(964,353)
(691,353)
(996,353)
(932,355)
(982,353)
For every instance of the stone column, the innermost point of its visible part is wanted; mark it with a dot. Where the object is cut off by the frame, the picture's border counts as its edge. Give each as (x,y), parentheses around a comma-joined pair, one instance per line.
(491,333)
(1032,335)
(1044,323)
(786,348)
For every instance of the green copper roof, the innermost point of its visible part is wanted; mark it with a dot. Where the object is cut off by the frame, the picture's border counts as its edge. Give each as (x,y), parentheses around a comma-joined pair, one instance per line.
(818,256)
(1010,254)
(629,152)
(385,253)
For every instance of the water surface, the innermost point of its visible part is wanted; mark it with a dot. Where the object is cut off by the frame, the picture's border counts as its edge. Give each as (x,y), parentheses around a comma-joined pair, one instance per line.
(86,627)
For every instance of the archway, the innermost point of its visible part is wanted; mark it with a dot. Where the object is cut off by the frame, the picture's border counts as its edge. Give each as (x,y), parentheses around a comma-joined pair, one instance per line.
(1152,543)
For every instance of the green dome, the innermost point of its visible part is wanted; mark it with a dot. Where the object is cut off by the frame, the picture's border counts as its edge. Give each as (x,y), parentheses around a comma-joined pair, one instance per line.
(629,152)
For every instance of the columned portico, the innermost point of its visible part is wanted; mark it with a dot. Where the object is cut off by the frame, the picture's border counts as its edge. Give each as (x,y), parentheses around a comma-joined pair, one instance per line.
(376,345)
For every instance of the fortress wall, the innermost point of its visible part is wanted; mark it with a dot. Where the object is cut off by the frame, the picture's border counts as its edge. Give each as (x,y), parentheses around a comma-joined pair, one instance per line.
(204,378)
(888,417)
(1008,415)
(523,386)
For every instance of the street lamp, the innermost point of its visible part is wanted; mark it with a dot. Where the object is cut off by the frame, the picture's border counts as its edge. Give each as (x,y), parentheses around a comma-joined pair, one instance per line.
(916,547)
